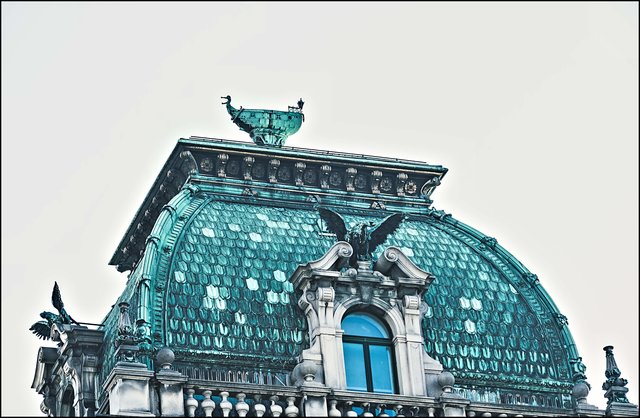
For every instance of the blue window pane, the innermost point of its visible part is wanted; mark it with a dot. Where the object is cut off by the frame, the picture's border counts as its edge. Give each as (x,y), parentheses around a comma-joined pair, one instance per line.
(381,368)
(354,367)
(364,325)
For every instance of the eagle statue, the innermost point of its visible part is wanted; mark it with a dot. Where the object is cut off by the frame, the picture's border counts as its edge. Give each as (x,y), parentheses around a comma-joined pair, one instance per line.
(363,237)
(43,328)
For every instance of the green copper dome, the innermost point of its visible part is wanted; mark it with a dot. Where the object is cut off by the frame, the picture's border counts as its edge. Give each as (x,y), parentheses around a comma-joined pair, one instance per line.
(217,253)
(227,292)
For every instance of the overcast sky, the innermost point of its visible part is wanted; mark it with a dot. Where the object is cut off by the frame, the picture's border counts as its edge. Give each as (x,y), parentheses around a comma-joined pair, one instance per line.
(533,107)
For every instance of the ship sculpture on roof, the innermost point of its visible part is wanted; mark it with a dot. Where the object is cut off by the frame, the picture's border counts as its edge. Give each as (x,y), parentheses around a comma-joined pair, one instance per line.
(267,127)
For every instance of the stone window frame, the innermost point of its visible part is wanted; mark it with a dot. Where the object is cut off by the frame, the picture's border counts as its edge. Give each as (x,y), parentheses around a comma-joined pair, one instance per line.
(385,342)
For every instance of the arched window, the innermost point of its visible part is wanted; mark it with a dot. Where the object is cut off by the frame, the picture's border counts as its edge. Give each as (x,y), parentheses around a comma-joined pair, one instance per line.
(368,354)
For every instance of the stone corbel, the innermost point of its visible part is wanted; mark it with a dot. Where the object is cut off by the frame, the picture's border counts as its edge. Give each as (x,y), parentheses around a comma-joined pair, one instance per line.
(325,170)
(325,296)
(318,308)
(188,156)
(247,164)
(366,286)
(221,164)
(402,179)
(351,175)
(429,186)
(90,365)
(273,170)
(300,166)
(376,176)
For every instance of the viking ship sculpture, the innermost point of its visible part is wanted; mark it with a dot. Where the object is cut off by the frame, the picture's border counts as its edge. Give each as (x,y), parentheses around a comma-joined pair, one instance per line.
(267,127)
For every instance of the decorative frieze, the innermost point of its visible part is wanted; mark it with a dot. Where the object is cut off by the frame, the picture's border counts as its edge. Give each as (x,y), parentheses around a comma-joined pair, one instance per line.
(336,176)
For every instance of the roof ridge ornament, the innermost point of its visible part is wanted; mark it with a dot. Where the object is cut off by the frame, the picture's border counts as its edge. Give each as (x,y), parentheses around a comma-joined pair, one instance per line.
(267,127)
(364,237)
(615,389)
(614,385)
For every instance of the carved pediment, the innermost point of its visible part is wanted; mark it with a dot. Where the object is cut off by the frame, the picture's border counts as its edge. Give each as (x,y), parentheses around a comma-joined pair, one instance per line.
(393,263)
(332,261)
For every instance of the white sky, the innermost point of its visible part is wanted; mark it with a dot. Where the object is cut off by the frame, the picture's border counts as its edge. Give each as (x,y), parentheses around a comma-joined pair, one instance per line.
(532,106)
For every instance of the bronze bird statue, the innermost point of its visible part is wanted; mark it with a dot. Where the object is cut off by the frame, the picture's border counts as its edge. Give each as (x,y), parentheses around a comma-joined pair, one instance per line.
(364,238)
(43,328)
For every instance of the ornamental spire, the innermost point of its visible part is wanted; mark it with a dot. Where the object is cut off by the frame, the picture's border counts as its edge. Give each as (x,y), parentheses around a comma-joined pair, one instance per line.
(614,386)
(267,127)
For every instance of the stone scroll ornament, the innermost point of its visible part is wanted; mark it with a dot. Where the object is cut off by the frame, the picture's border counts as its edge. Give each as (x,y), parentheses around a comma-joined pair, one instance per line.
(43,328)
(363,237)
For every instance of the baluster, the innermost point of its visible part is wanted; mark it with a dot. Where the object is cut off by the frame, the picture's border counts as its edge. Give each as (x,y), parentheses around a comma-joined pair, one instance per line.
(276,409)
(207,403)
(350,411)
(291,410)
(333,411)
(382,407)
(258,407)
(191,403)
(225,405)
(366,406)
(432,412)
(241,406)
(398,408)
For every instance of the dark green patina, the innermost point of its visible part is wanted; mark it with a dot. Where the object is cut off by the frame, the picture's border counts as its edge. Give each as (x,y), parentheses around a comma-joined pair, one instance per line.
(267,127)
(224,246)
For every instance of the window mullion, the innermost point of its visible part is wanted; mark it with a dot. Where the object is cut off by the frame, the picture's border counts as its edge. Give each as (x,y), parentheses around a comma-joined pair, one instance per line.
(367,367)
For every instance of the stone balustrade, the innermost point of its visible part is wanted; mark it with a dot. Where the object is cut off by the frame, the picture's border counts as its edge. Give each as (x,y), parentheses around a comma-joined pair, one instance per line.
(227,400)
(354,404)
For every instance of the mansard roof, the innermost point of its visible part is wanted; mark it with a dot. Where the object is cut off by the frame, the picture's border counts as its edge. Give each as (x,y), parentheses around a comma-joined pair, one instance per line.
(230,239)
(202,157)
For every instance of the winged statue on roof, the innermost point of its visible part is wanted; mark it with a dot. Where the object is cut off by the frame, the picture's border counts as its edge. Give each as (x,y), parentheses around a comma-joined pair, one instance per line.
(43,328)
(364,237)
